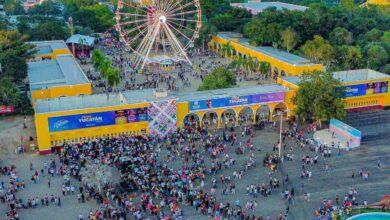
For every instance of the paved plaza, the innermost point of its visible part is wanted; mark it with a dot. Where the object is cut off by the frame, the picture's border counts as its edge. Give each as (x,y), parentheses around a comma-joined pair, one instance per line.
(325,183)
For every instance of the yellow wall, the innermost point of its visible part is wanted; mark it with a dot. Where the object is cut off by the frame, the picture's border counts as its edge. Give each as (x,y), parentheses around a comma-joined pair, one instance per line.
(54,54)
(350,103)
(289,69)
(58,91)
(45,138)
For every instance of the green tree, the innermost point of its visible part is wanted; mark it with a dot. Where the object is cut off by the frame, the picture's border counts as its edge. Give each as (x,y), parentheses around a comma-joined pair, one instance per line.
(97,58)
(9,92)
(3,23)
(227,51)
(349,57)
(348,4)
(376,56)
(14,53)
(13,7)
(340,36)
(45,8)
(318,50)
(206,32)
(219,78)
(52,30)
(289,39)
(98,17)
(319,97)
(265,68)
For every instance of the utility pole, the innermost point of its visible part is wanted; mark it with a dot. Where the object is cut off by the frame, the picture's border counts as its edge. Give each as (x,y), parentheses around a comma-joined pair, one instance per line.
(280,134)
(71,34)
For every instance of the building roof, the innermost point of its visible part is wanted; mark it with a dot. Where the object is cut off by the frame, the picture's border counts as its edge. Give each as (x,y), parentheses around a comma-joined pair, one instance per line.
(81,39)
(269,51)
(358,75)
(346,76)
(50,73)
(47,47)
(140,96)
(257,7)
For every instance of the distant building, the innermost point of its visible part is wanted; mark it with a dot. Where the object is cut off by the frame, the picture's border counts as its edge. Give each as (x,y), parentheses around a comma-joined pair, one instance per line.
(364,88)
(27,4)
(57,78)
(282,62)
(257,6)
(83,45)
(2,12)
(49,49)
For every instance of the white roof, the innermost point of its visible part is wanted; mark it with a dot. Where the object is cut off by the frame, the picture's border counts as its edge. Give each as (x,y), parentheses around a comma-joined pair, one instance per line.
(358,75)
(257,7)
(81,39)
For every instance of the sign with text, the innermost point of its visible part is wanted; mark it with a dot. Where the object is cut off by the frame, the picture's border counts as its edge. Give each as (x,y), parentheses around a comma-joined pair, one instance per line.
(71,122)
(366,89)
(6,109)
(236,101)
(352,135)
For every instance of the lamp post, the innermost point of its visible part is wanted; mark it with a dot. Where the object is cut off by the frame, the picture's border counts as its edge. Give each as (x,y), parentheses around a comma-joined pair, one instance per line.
(280,132)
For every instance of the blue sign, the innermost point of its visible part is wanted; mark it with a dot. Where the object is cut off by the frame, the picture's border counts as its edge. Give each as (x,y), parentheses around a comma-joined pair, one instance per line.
(355,90)
(71,122)
(236,101)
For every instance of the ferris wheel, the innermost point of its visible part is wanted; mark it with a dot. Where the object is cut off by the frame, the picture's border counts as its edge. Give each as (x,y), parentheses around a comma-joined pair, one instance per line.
(157,31)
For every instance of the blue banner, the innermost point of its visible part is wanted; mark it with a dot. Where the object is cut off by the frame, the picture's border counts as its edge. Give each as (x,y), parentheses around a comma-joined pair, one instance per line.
(355,90)
(365,89)
(236,101)
(71,122)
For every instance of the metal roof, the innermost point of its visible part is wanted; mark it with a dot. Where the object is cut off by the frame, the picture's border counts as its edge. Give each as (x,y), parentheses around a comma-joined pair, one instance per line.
(256,7)
(81,39)
(358,75)
(268,51)
(346,76)
(47,47)
(147,95)
(49,73)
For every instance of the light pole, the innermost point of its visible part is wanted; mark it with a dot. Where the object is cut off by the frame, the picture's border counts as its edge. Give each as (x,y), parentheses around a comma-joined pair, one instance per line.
(280,132)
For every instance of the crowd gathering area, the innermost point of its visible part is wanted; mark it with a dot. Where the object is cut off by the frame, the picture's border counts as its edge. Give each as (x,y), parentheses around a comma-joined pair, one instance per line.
(232,173)
(193,173)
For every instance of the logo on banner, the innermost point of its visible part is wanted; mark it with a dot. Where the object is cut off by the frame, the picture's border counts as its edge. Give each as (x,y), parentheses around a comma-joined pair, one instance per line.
(236,100)
(89,118)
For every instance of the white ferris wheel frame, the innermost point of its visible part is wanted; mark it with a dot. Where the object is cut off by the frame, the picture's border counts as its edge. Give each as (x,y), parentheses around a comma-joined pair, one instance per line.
(160,24)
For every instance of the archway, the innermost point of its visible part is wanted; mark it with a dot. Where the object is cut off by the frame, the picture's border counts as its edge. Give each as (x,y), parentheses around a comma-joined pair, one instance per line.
(262,114)
(282,73)
(245,116)
(191,121)
(275,73)
(280,108)
(210,120)
(228,118)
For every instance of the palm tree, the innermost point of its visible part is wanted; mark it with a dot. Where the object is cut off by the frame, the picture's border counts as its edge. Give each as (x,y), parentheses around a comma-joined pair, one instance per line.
(265,67)
(250,64)
(227,50)
(97,59)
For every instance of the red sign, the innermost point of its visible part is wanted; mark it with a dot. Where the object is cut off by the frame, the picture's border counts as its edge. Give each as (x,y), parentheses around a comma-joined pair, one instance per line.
(6,109)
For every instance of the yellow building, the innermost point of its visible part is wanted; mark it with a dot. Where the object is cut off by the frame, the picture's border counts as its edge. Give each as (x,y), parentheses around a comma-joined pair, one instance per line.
(378,2)
(58,77)
(77,118)
(364,88)
(282,62)
(49,49)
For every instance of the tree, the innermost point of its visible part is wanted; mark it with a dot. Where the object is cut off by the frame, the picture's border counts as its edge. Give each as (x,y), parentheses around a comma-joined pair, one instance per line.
(98,17)
(265,68)
(14,54)
(97,58)
(227,51)
(52,30)
(376,56)
(45,8)
(289,39)
(9,92)
(349,57)
(341,36)
(3,23)
(113,77)
(319,97)
(13,7)
(219,78)
(348,4)
(318,50)
(206,32)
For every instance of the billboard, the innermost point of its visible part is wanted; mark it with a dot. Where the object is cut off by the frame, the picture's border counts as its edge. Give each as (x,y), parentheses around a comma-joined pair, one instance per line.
(236,101)
(366,89)
(352,135)
(5,109)
(71,122)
